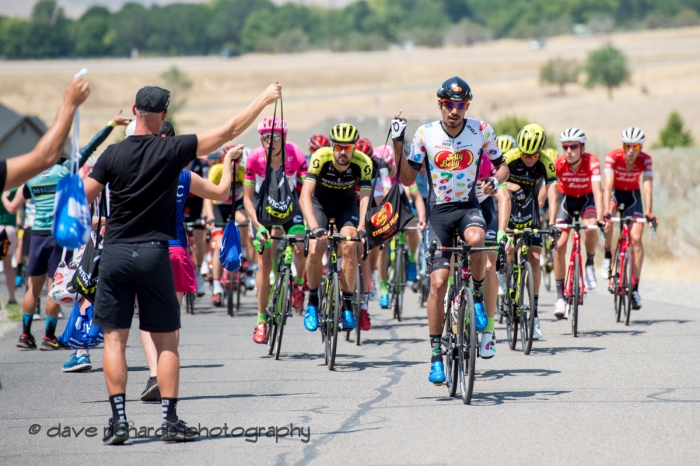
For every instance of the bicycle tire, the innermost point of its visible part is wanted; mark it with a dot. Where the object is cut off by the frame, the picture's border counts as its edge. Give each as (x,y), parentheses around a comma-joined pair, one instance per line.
(285,308)
(512,320)
(239,285)
(189,303)
(323,318)
(577,293)
(467,345)
(358,305)
(271,334)
(527,290)
(401,279)
(616,291)
(628,286)
(335,307)
(449,340)
(229,301)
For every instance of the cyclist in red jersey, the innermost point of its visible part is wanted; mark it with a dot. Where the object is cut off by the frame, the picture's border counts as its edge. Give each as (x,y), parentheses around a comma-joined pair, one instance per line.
(579,191)
(623,168)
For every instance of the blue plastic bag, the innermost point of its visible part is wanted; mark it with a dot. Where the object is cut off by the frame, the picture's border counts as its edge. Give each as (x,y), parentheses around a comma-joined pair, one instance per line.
(230,253)
(79,332)
(72,221)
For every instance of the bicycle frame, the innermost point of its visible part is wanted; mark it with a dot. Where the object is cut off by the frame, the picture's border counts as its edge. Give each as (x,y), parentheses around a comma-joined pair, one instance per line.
(569,282)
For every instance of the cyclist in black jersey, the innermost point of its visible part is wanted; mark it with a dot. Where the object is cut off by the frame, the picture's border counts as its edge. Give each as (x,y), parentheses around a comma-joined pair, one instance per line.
(329,191)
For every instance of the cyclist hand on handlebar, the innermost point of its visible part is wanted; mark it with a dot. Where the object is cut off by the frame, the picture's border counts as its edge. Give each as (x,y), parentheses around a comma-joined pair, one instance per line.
(421,224)
(319,233)
(608,223)
(261,238)
(500,236)
(651,219)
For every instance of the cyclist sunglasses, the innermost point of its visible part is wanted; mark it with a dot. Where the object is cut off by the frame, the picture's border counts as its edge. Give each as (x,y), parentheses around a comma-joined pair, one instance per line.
(632,146)
(570,146)
(530,156)
(276,137)
(451,105)
(343,147)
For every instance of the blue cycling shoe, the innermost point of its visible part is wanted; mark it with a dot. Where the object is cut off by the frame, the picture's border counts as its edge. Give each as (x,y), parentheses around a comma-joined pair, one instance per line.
(411,272)
(384,301)
(311,318)
(349,321)
(18,280)
(437,373)
(480,314)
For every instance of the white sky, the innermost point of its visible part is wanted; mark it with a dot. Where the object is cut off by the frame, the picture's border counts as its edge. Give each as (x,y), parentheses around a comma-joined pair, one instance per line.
(75,8)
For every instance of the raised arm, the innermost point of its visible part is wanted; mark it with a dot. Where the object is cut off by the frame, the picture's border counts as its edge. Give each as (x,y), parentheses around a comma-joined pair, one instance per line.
(87,150)
(221,192)
(211,140)
(50,147)
(12,206)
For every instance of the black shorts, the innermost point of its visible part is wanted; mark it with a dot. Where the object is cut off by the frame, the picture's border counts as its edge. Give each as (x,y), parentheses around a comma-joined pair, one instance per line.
(536,240)
(223,214)
(488,208)
(444,219)
(632,200)
(193,211)
(584,205)
(26,241)
(346,214)
(44,256)
(128,270)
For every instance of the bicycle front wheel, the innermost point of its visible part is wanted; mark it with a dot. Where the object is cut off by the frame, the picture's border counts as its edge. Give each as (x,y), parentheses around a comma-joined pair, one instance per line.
(526,305)
(285,308)
(576,296)
(449,340)
(627,286)
(616,289)
(333,322)
(357,308)
(467,345)
(511,311)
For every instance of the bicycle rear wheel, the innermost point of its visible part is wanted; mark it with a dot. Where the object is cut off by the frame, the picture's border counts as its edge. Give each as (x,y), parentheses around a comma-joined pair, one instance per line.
(526,305)
(401,283)
(467,345)
(285,308)
(334,306)
(627,286)
(576,296)
(238,283)
(189,297)
(271,331)
(450,341)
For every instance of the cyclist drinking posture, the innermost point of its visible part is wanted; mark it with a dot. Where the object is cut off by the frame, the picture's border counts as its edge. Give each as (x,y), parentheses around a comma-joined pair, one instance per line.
(451,149)
(623,167)
(580,190)
(329,192)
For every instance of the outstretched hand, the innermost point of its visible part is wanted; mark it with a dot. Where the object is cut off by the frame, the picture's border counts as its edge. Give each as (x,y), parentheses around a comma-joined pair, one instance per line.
(272,93)
(120,120)
(76,92)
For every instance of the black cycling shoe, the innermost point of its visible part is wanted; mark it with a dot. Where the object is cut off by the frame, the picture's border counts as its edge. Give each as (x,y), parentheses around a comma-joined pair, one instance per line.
(178,432)
(152,391)
(117,433)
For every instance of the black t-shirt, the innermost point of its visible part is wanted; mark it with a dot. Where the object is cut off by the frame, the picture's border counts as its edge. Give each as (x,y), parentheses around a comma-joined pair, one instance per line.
(143,172)
(3,174)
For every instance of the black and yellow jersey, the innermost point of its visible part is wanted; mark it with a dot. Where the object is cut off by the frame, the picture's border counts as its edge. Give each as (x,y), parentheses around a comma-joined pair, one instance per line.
(528,178)
(333,185)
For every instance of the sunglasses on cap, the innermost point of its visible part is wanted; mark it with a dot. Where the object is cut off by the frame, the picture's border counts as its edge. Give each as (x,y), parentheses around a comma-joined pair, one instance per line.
(452,105)
(343,147)
(570,146)
(276,137)
(632,146)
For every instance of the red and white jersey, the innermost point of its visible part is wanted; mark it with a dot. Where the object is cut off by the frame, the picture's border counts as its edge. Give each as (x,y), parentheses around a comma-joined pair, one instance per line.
(577,183)
(627,180)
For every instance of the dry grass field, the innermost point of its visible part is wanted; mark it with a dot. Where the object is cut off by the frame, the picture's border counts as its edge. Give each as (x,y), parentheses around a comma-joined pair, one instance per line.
(321,85)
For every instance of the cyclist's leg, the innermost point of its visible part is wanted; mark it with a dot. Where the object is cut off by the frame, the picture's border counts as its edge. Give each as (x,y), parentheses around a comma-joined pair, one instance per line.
(200,245)
(263,279)
(216,266)
(533,257)
(563,216)
(490,290)
(634,209)
(347,219)
(314,267)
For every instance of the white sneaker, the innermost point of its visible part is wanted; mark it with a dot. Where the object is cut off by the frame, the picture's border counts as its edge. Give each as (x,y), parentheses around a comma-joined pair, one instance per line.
(218,289)
(537,333)
(204,269)
(200,284)
(250,282)
(589,277)
(636,301)
(501,284)
(605,269)
(559,308)
(487,345)
(36,316)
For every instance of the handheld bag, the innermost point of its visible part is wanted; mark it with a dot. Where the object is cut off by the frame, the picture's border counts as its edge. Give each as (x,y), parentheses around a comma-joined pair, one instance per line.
(390,216)
(278,202)
(79,332)
(4,244)
(87,274)
(62,290)
(230,253)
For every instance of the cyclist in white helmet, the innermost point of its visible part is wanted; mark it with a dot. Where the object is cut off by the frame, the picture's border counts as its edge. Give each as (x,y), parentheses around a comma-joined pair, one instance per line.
(623,168)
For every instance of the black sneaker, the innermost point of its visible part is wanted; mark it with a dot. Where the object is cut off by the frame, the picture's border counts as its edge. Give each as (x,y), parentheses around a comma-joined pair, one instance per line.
(26,341)
(151,392)
(178,432)
(117,433)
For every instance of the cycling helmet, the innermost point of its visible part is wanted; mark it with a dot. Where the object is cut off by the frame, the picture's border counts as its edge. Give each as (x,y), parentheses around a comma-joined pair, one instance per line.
(386,153)
(455,89)
(531,139)
(317,141)
(344,133)
(633,135)
(265,126)
(572,135)
(130,129)
(167,130)
(505,142)
(364,145)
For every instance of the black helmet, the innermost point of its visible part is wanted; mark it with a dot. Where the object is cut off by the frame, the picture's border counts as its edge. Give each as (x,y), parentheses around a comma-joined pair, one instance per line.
(455,89)
(167,130)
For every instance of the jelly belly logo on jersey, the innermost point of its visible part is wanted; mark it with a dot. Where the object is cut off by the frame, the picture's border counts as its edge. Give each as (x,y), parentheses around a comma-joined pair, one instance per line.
(452,161)
(380,218)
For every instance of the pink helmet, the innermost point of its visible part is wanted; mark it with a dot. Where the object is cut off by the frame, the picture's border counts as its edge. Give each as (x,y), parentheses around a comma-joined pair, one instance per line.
(385,153)
(265,126)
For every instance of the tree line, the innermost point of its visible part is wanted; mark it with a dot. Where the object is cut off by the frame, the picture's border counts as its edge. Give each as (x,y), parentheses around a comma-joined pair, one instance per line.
(242,26)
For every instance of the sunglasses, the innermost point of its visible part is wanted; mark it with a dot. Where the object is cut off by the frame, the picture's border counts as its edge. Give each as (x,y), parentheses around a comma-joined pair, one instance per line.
(343,147)
(452,105)
(632,146)
(530,156)
(276,137)
(570,146)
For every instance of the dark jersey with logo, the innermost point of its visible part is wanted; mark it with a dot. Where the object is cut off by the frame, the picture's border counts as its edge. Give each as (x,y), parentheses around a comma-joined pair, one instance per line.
(333,185)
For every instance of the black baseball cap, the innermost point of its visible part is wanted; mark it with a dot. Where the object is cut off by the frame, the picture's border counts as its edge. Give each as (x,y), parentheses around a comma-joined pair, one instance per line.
(167,130)
(152,99)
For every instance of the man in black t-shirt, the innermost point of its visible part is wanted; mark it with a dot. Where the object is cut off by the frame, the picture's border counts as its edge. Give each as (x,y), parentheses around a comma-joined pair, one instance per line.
(143,172)
(194,206)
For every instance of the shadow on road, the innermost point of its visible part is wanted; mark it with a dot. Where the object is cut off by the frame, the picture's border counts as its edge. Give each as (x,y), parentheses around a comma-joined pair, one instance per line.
(499,398)
(603,333)
(565,349)
(145,368)
(309,356)
(357,366)
(660,321)
(239,395)
(497,375)
(397,324)
(392,340)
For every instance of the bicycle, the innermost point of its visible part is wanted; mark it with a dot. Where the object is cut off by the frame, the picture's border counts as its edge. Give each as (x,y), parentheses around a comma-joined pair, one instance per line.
(547,259)
(232,282)
(622,278)
(397,272)
(330,304)
(356,307)
(517,304)
(423,276)
(460,340)
(190,297)
(574,285)
(279,305)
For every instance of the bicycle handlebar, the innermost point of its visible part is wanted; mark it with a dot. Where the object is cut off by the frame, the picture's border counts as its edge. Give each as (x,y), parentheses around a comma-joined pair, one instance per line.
(634,220)
(527,231)
(336,237)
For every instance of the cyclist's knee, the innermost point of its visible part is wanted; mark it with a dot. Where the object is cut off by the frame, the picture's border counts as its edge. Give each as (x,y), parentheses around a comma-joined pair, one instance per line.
(438,281)
(349,250)
(474,236)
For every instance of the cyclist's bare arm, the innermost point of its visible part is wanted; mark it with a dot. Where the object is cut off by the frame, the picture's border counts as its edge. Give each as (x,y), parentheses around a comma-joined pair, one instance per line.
(13,205)
(221,192)
(420,207)
(552,196)
(504,206)
(598,199)
(307,208)
(211,140)
(364,203)
(647,185)
(209,209)
(50,147)
(607,192)
(542,195)
(248,193)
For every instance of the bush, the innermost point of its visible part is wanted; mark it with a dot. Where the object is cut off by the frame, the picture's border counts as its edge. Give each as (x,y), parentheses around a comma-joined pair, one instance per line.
(607,66)
(686,18)
(357,41)
(425,37)
(601,23)
(466,33)
(673,134)
(560,71)
(511,124)
(292,41)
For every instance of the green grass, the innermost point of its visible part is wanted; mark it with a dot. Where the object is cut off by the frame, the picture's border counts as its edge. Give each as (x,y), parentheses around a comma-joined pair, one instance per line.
(14,312)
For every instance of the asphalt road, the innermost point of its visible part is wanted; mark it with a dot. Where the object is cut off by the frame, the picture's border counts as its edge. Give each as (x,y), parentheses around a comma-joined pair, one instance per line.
(615,395)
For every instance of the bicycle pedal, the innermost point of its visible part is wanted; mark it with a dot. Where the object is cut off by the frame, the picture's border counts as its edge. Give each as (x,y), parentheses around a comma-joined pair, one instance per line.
(438,384)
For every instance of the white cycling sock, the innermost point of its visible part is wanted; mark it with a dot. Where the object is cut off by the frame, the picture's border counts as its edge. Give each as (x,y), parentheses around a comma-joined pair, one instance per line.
(218,289)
